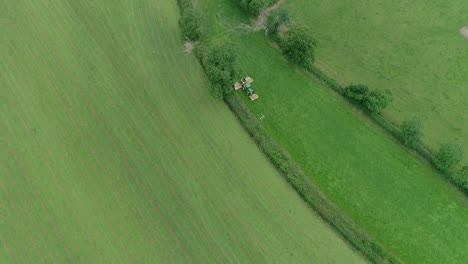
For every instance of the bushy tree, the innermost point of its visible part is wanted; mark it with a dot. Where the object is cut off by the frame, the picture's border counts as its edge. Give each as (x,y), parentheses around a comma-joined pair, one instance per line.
(220,63)
(463,176)
(376,100)
(190,23)
(357,92)
(447,157)
(298,46)
(277,18)
(411,132)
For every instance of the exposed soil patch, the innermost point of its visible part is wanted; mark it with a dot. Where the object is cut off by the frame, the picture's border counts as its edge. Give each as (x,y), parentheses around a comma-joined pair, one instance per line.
(464,31)
(188,47)
(262,18)
(281,30)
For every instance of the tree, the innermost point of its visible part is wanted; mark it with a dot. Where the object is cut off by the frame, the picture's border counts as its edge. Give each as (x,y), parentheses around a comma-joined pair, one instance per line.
(463,176)
(298,46)
(411,132)
(447,157)
(357,92)
(220,66)
(376,100)
(190,23)
(277,18)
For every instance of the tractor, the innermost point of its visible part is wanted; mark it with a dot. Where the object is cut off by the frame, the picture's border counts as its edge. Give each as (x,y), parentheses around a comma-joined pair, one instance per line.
(246,85)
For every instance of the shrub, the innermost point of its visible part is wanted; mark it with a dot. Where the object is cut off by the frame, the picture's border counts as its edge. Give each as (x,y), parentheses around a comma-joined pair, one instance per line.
(376,100)
(298,46)
(462,178)
(220,62)
(447,157)
(411,133)
(190,23)
(357,92)
(277,18)
(332,83)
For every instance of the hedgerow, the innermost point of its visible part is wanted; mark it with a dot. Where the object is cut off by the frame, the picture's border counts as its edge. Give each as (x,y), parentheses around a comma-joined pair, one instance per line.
(190,20)
(396,131)
(220,64)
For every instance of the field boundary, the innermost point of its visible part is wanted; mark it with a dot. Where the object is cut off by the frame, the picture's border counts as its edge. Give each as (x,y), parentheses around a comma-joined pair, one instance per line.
(293,174)
(389,126)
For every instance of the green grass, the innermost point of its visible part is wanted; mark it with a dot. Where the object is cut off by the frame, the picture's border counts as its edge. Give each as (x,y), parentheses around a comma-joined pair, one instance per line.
(112,151)
(412,48)
(388,191)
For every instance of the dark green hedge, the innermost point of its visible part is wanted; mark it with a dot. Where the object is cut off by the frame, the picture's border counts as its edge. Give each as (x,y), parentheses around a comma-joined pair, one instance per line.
(306,189)
(255,7)
(190,21)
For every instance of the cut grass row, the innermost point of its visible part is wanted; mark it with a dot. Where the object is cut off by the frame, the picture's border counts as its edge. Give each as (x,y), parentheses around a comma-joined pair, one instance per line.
(389,192)
(111,150)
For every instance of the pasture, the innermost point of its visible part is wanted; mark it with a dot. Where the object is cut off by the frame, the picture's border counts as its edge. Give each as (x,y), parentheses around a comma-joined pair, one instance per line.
(112,151)
(416,49)
(388,191)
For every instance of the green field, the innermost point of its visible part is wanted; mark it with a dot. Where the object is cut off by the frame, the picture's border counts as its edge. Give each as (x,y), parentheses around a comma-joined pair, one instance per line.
(388,191)
(413,48)
(112,151)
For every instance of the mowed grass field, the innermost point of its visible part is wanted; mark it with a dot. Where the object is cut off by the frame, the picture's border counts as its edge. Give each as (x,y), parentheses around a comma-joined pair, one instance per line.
(388,192)
(413,48)
(112,151)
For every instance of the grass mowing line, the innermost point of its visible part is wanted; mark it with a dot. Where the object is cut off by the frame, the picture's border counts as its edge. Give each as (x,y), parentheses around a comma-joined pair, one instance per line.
(31,186)
(114,33)
(127,162)
(179,131)
(180,147)
(116,70)
(13,204)
(97,158)
(144,146)
(187,161)
(116,187)
(177,197)
(42,33)
(57,136)
(15,207)
(27,176)
(15,157)
(90,106)
(133,172)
